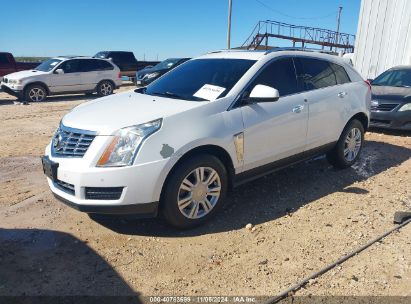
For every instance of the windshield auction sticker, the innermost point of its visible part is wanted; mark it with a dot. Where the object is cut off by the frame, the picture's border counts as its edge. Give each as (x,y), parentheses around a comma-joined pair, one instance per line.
(209,92)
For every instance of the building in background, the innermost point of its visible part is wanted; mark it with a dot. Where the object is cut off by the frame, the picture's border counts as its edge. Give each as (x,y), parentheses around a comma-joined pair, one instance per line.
(383,37)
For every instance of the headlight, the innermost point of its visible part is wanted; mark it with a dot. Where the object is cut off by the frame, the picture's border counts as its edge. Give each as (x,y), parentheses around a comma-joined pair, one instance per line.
(406,107)
(151,75)
(14,81)
(126,143)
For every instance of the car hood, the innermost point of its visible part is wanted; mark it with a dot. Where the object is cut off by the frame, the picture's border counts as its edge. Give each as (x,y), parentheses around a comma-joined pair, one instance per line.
(391,93)
(107,115)
(24,74)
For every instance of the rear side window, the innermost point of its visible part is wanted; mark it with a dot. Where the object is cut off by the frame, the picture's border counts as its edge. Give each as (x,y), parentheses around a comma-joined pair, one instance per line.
(279,75)
(104,65)
(126,57)
(4,59)
(340,74)
(90,65)
(315,73)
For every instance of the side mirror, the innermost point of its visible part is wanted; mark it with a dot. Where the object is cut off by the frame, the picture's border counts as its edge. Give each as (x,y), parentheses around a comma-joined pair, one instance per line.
(59,71)
(263,93)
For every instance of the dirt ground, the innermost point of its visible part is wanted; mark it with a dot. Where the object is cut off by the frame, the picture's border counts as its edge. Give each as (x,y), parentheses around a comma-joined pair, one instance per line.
(305,218)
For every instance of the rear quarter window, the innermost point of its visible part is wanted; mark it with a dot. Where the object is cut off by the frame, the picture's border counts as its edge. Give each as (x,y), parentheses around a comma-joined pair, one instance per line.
(340,74)
(315,73)
(105,66)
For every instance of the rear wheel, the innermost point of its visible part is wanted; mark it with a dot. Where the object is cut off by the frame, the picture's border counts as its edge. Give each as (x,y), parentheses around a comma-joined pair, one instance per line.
(35,93)
(105,88)
(194,192)
(349,146)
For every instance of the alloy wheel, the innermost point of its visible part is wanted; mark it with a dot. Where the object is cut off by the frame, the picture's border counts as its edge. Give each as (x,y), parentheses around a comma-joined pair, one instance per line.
(352,144)
(199,192)
(37,94)
(106,88)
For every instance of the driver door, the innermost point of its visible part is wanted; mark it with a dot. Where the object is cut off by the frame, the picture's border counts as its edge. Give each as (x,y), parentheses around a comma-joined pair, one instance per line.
(275,130)
(70,81)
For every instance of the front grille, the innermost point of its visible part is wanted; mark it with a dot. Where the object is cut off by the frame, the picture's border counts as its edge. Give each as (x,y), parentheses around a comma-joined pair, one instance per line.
(5,80)
(385,107)
(66,187)
(68,142)
(107,193)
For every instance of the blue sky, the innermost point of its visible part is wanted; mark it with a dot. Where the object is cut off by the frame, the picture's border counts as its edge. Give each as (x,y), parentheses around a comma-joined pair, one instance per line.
(151,28)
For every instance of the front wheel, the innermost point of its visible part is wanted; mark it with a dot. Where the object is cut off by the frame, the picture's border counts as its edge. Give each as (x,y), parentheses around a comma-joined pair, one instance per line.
(105,88)
(349,146)
(35,93)
(194,192)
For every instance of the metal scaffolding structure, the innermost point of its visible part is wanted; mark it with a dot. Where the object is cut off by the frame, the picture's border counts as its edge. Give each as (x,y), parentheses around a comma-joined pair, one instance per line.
(264,30)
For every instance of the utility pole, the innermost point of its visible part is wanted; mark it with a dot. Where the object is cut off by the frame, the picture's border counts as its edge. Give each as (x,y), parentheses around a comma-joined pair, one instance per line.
(338,25)
(230,3)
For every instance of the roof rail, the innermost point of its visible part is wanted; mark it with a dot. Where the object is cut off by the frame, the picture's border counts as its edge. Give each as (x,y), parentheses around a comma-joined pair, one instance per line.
(237,50)
(69,56)
(278,49)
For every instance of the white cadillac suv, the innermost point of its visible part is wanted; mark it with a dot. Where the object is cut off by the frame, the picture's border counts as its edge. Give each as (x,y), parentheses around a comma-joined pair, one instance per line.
(64,75)
(177,146)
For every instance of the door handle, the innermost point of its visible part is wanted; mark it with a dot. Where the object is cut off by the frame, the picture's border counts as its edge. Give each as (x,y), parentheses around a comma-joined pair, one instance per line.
(342,94)
(298,109)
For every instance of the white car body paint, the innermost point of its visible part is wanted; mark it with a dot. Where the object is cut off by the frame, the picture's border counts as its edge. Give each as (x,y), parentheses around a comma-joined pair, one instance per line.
(272,131)
(63,83)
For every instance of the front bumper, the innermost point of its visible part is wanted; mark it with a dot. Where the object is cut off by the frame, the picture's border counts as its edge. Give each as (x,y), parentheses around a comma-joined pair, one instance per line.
(391,120)
(16,91)
(140,186)
(144,210)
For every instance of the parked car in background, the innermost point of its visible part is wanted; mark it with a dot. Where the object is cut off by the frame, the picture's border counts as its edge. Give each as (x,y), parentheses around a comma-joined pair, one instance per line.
(126,61)
(64,75)
(177,146)
(9,65)
(148,75)
(391,99)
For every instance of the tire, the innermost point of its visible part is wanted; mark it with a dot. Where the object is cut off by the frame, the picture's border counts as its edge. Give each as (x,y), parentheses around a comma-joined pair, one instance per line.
(105,88)
(35,93)
(199,204)
(349,146)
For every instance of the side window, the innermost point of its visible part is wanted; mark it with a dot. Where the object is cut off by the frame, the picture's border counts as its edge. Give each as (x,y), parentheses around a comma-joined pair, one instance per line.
(340,73)
(279,75)
(70,66)
(315,73)
(104,65)
(127,57)
(4,59)
(89,65)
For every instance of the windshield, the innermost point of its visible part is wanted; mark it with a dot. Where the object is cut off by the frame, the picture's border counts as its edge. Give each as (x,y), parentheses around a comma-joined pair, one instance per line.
(166,64)
(48,65)
(200,79)
(394,78)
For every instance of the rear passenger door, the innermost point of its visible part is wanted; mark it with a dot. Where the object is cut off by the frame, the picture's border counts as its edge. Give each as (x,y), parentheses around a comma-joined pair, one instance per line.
(92,73)
(275,130)
(326,93)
